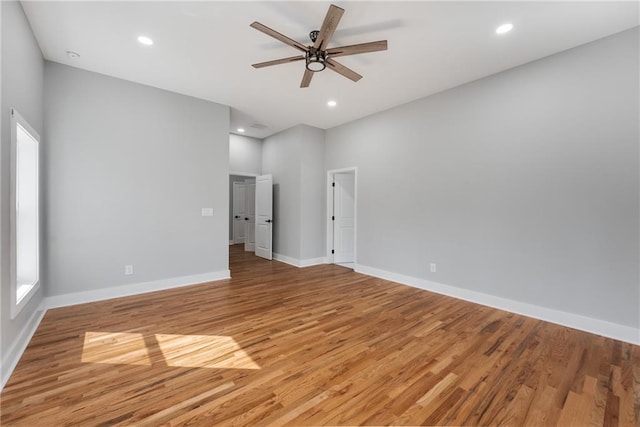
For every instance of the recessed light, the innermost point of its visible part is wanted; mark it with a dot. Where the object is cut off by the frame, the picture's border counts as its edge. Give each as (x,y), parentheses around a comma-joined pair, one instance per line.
(73,55)
(504,28)
(332,103)
(240,130)
(145,40)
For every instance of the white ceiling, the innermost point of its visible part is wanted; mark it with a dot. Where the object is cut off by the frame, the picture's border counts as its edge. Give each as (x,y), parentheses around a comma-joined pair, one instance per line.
(205,49)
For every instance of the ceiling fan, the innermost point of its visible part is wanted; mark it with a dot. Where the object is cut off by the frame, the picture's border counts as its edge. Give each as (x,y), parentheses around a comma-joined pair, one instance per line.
(318,57)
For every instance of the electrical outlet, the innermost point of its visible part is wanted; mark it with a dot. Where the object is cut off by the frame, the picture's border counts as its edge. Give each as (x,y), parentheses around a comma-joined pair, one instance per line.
(433,268)
(128,270)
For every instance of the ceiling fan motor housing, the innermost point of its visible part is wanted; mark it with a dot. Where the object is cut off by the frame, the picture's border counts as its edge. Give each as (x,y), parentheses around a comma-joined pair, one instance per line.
(316,59)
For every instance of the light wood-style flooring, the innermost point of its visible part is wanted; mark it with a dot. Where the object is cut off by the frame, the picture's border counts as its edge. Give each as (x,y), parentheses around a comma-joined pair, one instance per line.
(277,345)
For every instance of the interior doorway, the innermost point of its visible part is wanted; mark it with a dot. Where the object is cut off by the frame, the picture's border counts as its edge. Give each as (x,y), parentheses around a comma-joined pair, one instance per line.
(342,216)
(241,210)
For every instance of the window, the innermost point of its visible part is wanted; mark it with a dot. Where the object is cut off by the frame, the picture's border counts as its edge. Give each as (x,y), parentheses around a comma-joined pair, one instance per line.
(25,207)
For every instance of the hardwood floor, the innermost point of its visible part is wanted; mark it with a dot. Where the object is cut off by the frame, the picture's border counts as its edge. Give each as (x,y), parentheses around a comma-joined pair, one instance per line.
(278,345)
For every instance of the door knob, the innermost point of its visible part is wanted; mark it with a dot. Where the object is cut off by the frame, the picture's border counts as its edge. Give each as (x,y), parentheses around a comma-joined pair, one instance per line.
(267,220)
(246,219)
(237,217)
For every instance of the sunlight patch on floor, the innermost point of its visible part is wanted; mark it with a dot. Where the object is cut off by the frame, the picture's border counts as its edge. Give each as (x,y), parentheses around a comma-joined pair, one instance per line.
(204,351)
(185,351)
(116,348)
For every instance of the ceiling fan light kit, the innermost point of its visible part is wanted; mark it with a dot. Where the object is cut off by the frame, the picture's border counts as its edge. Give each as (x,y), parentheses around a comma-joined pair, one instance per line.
(318,57)
(316,61)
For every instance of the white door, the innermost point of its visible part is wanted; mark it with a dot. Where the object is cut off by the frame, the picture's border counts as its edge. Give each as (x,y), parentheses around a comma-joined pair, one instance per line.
(343,218)
(250,218)
(264,211)
(239,211)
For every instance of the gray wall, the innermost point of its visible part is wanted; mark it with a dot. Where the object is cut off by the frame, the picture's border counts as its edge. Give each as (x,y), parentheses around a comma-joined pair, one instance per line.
(22,88)
(523,185)
(281,158)
(245,154)
(295,158)
(312,194)
(129,169)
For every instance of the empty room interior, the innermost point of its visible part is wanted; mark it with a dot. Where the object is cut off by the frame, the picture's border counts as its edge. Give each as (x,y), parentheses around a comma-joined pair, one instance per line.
(315,213)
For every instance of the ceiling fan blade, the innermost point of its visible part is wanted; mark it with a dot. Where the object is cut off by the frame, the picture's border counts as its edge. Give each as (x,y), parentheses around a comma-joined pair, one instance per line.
(276,35)
(306,78)
(329,25)
(357,48)
(278,61)
(341,69)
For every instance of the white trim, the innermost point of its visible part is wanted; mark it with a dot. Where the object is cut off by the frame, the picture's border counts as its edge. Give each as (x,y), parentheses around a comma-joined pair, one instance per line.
(330,173)
(249,174)
(312,261)
(286,259)
(231,242)
(12,356)
(14,306)
(300,263)
(17,308)
(134,289)
(571,320)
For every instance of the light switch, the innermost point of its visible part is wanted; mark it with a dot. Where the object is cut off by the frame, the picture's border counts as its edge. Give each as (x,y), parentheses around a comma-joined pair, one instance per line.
(207,211)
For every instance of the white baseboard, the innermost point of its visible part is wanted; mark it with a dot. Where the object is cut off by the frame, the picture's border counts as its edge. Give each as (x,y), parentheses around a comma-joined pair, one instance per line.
(231,242)
(300,263)
(285,259)
(571,320)
(312,261)
(133,289)
(11,358)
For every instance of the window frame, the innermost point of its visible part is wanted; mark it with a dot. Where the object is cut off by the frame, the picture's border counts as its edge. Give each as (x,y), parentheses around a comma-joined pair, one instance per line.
(17,306)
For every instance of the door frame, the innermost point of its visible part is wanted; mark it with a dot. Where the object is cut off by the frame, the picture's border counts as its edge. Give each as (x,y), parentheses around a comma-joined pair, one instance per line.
(244,174)
(329,244)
